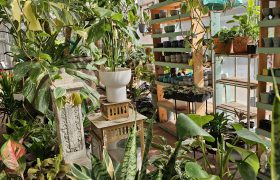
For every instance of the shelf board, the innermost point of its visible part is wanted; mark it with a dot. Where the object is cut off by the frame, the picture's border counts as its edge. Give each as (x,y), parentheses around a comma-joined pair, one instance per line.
(173,65)
(263,78)
(171,50)
(263,132)
(238,82)
(169,106)
(166,5)
(171,19)
(163,84)
(231,106)
(269,23)
(237,55)
(269,50)
(264,106)
(173,34)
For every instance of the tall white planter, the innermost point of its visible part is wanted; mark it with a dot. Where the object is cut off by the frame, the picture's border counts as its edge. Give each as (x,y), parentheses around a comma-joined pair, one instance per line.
(115,83)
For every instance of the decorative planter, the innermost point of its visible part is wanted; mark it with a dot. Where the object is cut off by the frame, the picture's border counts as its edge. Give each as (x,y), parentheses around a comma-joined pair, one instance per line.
(276,72)
(181,43)
(174,44)
(222,47)
(166,44)
(178,58)
(267,12)
(265,125)
(266,72)
(167,58)
(142,28)
(115,83)
(268,42)
(185,57)
(240,44)
(276,42)
(173,58)
(265,97)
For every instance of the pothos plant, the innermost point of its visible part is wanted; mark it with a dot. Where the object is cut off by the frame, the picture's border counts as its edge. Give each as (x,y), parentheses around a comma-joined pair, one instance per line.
(45,35)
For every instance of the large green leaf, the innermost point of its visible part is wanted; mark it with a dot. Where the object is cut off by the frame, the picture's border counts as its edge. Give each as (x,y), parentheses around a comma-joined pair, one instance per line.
(108,162)
(194,170)
(20,70)
(59,92)
(129,165)
(186,127)
(246,171)
(80,172)
(201,120)
(250,157)
(16,12)
(33,22)
(43,98)
(99,169)
(251,137)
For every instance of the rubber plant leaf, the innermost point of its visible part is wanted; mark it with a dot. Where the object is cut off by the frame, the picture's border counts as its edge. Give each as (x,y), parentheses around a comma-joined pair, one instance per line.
(250,137)
(195,171)
(186,127)
(32,21)
(246,171)
(11,153)
(200,120)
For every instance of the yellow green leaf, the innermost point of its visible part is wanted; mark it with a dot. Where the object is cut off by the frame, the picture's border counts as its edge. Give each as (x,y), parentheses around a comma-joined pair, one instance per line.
(16,13)
(33,22)
(76,98)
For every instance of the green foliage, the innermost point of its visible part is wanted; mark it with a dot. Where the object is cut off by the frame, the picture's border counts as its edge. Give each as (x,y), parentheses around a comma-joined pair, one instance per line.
(225,35)
(247,24)
(275,135)
(51,168)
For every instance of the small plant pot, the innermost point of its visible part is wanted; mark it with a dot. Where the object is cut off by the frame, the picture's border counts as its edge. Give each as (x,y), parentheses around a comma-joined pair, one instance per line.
(265,125)
(157,16)
(266,72)
(267,42)
(276,12)
(178,58)
(166,44)
(251,49)
(267,12)
(162,58)
(277,72)
(142,28)
(222,47)
(162,14)
(185,58)
(159,31)
(265,97)
(167,58)
(173,58)
(174,44)
(174,12)
(169,29)
(181,43)
(276,42)
(240,44)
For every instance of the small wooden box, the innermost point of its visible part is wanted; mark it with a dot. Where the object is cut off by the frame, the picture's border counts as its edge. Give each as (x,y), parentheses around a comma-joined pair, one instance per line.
(112,111)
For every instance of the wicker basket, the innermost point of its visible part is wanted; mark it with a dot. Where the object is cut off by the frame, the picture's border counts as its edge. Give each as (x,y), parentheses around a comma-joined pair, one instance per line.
(112,111)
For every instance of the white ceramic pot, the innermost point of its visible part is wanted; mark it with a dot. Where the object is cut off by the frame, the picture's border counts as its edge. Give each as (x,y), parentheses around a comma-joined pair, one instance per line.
(115,83)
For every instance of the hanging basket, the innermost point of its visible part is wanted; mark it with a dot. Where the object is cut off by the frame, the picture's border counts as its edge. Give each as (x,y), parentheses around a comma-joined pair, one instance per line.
(219,5)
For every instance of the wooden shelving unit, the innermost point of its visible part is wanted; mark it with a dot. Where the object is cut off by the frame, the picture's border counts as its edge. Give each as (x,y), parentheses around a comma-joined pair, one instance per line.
(264,54)
(247,83)
(164,106)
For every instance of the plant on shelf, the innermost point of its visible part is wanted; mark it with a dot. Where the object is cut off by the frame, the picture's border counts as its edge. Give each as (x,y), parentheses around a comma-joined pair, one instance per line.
(223,41)
(119,37)
(246,28)
(144,21)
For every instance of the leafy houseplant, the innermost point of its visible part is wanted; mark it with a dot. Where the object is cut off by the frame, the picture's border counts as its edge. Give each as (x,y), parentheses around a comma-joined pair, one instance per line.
(223,41)
(247,29)
(120,35)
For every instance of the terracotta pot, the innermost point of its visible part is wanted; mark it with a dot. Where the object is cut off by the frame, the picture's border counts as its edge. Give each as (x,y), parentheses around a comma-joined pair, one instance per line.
(221,47)
(240,44)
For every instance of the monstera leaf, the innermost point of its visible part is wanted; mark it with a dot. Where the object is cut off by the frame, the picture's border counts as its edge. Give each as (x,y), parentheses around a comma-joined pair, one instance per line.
(12,156)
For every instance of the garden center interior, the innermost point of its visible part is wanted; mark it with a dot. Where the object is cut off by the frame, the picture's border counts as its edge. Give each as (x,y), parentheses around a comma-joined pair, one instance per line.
(140,89)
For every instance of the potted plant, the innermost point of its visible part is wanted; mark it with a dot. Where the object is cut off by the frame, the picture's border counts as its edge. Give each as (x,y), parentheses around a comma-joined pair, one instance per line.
(144,22)
(223,41)
(247,29)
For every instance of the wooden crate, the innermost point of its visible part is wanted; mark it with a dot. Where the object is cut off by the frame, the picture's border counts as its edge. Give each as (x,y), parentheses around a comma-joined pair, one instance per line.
(112,111)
